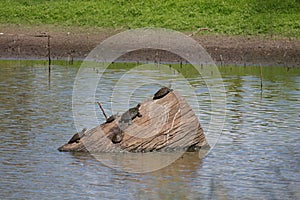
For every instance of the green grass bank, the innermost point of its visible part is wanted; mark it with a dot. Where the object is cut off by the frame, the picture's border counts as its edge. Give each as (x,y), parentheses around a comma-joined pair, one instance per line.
(230,17)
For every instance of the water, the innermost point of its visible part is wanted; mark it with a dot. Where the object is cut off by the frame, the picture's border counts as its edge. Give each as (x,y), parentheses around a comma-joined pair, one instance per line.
(256,157)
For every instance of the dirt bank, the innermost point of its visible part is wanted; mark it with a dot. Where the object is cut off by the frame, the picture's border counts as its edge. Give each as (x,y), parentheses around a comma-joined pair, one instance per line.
(26,42)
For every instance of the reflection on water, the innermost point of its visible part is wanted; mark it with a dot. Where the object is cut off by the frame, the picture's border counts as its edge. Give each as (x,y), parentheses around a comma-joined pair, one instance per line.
(257,156)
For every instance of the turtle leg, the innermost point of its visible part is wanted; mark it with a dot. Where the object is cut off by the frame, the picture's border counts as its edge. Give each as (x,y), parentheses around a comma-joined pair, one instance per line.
(139,114)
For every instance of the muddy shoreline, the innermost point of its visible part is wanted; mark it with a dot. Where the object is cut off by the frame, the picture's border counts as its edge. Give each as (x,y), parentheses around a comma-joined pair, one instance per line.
(66,43)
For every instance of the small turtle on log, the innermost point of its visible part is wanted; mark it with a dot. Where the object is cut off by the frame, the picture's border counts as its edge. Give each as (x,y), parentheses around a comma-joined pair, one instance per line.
(117,138)
(116,134)
(111,118)
(162,92)
(77,136)
(130,114)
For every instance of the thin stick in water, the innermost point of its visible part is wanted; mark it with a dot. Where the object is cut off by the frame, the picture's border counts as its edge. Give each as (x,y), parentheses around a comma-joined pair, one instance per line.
(99,104)
(221,58)
(261,78)
(49,53)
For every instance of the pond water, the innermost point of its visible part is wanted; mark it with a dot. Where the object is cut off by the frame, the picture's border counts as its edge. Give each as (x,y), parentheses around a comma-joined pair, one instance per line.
(256,157)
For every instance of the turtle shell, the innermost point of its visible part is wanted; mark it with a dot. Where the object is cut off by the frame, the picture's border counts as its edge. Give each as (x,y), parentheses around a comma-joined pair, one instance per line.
(117,138)
(161,93)
(111,118)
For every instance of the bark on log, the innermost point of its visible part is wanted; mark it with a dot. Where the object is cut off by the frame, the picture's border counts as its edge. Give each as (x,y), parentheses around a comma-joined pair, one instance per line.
(167,123)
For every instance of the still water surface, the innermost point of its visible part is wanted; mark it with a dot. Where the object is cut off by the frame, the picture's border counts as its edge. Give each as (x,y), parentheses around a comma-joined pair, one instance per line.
(256,157)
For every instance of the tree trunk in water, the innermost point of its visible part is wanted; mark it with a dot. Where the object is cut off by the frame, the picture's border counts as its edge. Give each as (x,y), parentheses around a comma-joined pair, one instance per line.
(167,123)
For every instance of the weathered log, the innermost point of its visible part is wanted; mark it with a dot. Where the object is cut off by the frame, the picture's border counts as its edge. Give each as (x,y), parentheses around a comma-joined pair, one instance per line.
(166,123)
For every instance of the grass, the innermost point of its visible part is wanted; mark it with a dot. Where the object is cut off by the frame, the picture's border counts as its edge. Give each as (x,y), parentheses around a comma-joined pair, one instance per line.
(230,17)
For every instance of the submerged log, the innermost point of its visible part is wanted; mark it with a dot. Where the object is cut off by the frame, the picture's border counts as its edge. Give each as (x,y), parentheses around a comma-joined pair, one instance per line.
(157,124)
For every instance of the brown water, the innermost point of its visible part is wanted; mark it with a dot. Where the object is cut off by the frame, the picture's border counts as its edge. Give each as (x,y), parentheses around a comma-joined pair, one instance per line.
(256,157)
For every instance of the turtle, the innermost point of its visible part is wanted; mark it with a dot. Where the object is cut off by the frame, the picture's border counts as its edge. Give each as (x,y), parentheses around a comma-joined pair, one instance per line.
(117,138)
(77,136)
(130,114)
(162,92)
(111,118)
(116,134)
